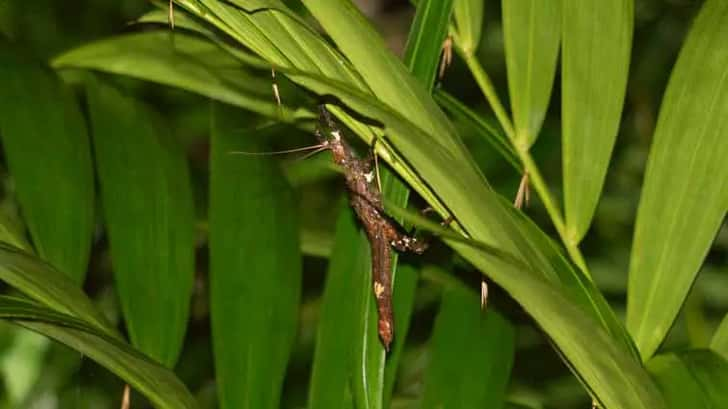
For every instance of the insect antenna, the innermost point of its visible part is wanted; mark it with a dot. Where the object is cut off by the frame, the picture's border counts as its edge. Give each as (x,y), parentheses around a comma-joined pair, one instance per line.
(308,155)
(315,148)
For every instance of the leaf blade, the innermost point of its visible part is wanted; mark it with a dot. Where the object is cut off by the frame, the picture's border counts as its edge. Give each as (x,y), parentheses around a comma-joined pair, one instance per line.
(471,355)
(341,300)
(35,106)
(685,164)
(255,267)
(468,19)
(49,286)
(425,39)
(153,380)
(596,43)
(531,31)
(695,378)
(147,204)
(188,63)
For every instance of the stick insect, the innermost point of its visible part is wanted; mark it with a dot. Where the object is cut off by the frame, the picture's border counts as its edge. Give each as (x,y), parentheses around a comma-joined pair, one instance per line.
(383,233)
(366,199)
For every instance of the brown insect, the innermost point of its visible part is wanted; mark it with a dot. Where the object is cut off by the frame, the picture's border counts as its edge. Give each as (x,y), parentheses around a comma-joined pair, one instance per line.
(383,233)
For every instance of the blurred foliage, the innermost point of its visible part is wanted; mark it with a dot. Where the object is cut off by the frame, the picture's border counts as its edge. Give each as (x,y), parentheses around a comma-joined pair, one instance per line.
(38,374)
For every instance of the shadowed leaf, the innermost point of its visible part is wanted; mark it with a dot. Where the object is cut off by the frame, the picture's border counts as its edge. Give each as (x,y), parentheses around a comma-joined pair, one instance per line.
(255,265)
(148,210)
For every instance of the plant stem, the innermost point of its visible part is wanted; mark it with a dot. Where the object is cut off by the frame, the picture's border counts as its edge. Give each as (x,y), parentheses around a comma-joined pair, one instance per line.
(486,86)
(550,204)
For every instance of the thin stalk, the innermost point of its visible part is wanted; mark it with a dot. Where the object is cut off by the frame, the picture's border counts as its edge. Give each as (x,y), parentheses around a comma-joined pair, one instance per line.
(550,204)
(486,86)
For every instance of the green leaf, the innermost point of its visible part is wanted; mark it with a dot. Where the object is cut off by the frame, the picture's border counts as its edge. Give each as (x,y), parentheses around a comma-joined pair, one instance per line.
(696,379)
(719,342)
(596,46)
(685,193)
(614,378)
(424,43)
(41,123)
(531,30)
(382,71)
(369,354)
(275,33)
(341,306)
(468,18)
(154,381)
(471,355)
(490,133)
(148,210)
(45,284)
(403,301)
(181,61)
(255,265)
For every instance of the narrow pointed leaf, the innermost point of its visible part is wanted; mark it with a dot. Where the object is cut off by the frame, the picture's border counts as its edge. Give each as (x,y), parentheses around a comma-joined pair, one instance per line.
(151,379)
(403,300)
(48,286)
(148,210)
(596,46)
(685,193)
(468,17)
(255,266)
(471,355)
(181,61)
(41,123)
(696,379)
(369,354)
(341,307)
(532,31)
(427,33)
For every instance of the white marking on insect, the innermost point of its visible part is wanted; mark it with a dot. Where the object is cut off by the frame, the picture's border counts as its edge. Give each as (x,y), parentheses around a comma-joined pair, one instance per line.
(336,135)
(369,176)
(378,289)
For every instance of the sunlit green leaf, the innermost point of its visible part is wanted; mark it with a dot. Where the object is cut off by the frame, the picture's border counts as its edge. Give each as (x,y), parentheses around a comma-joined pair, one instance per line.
(531,30)
(181,61)
(685,193)
(596,46)
(427,33)
(468,17)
